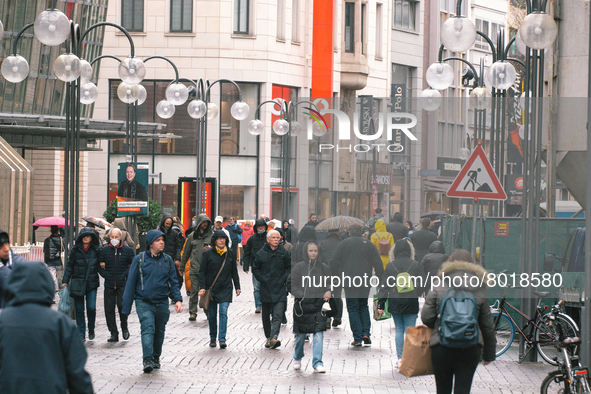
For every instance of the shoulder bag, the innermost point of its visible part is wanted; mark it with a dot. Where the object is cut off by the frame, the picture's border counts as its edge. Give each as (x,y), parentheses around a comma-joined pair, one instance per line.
(206,298)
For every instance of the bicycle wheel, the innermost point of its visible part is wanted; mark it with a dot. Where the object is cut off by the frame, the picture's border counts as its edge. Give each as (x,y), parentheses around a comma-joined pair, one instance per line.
(554,383)
(505,332)
(546,346)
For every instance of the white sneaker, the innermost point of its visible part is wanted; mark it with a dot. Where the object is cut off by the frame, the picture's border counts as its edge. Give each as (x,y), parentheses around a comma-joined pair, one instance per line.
(320,369)
(297,364)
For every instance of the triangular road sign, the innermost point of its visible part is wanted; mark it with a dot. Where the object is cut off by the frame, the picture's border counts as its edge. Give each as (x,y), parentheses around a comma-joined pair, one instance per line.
(477,179)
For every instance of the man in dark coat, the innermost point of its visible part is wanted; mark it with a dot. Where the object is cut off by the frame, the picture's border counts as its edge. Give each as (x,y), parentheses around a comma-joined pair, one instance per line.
(40,349)
(173,245)
(7,259)
(432,262)
(114,262)
(354,260)
(422,239)
(83,258)
(219,257)
(253,245)
(287,235)
(271,267)
(372,222)
(397,228)
(329,244)
(313,222)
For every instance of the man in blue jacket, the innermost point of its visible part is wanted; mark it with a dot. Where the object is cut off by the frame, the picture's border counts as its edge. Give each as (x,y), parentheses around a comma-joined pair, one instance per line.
(152,279)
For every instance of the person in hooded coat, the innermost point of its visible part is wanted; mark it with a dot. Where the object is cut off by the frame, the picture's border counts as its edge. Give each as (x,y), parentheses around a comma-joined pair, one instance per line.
(287,236)
(329,244)
(197,242)
(460,363)
(253,245)
(125,236)
(404,307)
(310,294)
(7,259)
(381,235)
(397,228)
(423,239)
(40,349)
(432,262)
(219,259)
(173,243)
(84,257)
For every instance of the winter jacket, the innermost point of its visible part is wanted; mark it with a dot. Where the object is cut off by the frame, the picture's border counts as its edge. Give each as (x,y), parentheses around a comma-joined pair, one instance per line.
(159,281)
(298,252)
(329,244)
(211,263)
(422,240)
(465,271)
(287,236)
(247,232)
(371,223)
(52,249)
(195,243)
(117,262)
(271,268)
(80,260)
(356,257)
(402,261)
(173,243)
(432,262)
(234,231)
(6,268)
(397,228)
(309,295)
(125,237)
(382,235)
(254,244)
(40,349)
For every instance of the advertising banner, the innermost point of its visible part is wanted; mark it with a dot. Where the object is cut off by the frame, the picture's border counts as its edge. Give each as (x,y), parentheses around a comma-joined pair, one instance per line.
(132,193)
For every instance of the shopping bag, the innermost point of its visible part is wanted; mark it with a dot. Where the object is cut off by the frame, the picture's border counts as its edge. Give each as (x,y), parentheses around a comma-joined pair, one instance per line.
(416,356)
(65,305)
(385,315)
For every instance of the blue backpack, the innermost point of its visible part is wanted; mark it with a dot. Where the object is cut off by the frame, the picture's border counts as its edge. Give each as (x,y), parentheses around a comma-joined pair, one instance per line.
(458,319)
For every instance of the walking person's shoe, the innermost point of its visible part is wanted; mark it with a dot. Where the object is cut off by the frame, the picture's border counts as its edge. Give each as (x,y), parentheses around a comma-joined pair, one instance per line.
(297,364)
(156,362)
(114,337)
(257,310)
(148,366)
(212,343)
(284,319)
(91,335)
(275,343)
(268,343)
(320,369)
(192,316)
(366,340)
(125,334)
(223,344)
(336,323)
(357,344)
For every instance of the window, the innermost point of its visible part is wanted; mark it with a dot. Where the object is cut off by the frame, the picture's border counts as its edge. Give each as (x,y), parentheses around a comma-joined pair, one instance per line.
(442,5)
(482,26)
(181,16)
(350,27)
(295,21)
(405,13)
(281,19)
(379,17)
(241,16)
(132,15)
(363,27)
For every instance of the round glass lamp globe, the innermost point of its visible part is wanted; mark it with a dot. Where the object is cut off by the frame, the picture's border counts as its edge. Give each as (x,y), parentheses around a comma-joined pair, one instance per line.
(296,129)
(86,72)
(196,109)
(88,93)
(52,27)
(501,75)
(132,70)
(15,68)
(240,110)
(430,99)
(255,127)
(458,34)
(538,30)
(128,93)
(440,76)
(464,153)
(177,93)
(67,67)
(281,127)
(480,98)
(318,130)
(165,109)
(143,95)
(212,111)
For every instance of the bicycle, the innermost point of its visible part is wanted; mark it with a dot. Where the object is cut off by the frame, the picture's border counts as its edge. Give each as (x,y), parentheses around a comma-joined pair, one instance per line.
(570,376)
(542,334)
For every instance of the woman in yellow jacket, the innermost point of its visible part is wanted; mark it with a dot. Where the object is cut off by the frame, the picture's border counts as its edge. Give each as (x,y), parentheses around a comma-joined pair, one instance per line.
(383,240)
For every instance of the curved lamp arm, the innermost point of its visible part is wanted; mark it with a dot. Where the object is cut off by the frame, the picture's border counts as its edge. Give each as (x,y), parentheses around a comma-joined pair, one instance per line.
(257,112)
(123,30)
(18,36)
(459,8)
(224,80)
(103,57)
(490,43)
(469,65)
(176,70)
(301,102)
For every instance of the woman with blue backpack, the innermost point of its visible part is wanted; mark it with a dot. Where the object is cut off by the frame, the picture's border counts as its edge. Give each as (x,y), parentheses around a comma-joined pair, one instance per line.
(458,310)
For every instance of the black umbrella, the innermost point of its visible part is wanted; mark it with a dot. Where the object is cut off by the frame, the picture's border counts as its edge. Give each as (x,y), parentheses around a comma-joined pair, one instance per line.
(432,214)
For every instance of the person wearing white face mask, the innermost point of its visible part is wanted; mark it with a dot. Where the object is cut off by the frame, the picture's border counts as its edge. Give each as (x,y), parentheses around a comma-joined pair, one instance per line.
(115,260)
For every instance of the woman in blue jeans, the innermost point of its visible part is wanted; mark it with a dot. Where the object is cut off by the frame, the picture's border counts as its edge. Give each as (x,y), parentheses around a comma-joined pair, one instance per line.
(218,260)
(306,283)
(400,291)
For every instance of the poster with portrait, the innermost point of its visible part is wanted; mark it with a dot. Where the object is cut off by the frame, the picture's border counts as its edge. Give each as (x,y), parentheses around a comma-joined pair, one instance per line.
(132,193)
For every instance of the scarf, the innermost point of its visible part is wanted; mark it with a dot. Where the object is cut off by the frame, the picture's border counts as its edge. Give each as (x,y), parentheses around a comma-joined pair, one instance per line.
(221,251)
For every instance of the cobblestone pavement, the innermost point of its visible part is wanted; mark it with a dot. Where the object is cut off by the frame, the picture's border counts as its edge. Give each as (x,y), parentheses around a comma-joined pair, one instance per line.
(190,366)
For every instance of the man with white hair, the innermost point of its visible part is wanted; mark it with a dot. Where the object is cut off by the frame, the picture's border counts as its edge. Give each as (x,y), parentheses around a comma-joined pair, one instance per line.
(271,267)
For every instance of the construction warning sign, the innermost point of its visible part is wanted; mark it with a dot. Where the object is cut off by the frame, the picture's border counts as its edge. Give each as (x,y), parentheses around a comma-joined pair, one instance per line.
(477,179)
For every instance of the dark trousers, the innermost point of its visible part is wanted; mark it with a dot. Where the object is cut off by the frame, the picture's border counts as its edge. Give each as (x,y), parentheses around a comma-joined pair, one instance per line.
(272,313)
(338,299)
(450,362)
(114,297)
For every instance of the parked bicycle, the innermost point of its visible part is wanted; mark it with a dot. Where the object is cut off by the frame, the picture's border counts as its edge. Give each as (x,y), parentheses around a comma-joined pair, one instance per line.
(545,329)
(570,376)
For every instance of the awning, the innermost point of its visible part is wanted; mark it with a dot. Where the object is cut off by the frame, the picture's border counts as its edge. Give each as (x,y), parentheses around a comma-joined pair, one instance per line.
(438,184)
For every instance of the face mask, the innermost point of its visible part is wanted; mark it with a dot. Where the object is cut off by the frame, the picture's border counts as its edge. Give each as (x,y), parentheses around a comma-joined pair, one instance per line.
(115,242)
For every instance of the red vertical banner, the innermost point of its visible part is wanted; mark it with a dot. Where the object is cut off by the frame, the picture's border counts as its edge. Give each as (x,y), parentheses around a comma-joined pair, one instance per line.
(323,49)
(374,196)
(280,92)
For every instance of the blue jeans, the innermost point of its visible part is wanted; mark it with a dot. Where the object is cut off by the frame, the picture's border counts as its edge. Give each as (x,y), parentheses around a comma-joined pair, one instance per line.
(316,348)
(212,317)
(153,319)
(90,310)
(256,285)
(359,317)
(402,322)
